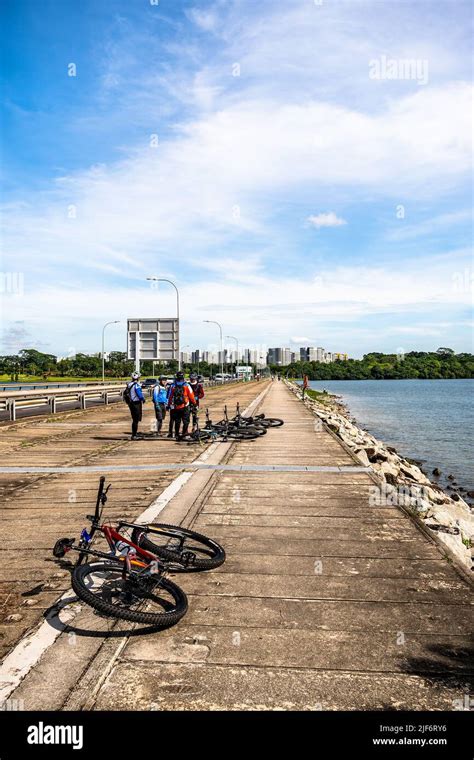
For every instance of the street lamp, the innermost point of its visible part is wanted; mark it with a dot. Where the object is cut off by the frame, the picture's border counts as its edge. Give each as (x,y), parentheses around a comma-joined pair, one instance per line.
(163,279)
(213,322)
(114,322)
(232,337)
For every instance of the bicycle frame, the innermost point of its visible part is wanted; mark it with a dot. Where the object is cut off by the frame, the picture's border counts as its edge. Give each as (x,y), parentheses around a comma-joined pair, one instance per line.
(134,555)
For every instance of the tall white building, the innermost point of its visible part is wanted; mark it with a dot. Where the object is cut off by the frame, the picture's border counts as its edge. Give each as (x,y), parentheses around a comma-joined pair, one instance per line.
(279,356)
(254,356)
(208,356)
(234,357)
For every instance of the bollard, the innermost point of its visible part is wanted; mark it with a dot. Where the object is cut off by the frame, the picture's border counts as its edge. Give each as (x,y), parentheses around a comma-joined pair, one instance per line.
(12,410)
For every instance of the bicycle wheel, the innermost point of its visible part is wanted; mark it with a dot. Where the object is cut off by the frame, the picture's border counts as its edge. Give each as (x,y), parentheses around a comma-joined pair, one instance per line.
(201,436)
(271,422)
(241,434)
(258,429)
(251,426)
(186,550)
(101,585)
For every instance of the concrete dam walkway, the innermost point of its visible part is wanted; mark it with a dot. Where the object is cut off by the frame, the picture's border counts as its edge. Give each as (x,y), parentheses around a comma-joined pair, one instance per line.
(325,602)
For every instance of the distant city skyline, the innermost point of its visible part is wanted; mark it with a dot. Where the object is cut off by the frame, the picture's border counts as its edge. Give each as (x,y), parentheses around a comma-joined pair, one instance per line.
(295,181)
(250,356)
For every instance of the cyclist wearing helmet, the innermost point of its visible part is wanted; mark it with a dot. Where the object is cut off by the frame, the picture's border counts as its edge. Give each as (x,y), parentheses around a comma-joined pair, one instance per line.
(160,398)
(179,398)
(198,390)
(135,399)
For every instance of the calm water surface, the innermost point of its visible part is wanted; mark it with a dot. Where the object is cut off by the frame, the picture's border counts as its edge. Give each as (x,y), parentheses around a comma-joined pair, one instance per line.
(428,420)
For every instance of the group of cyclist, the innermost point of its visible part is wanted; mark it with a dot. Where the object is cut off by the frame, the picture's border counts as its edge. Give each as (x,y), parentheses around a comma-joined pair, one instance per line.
(179,397)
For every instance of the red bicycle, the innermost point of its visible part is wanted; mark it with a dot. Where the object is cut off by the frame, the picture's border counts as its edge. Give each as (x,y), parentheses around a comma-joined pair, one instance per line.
(130,577)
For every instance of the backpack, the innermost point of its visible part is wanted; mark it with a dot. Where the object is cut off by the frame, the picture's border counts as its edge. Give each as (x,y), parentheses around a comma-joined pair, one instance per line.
(198,391)
(127,394)
(178,395)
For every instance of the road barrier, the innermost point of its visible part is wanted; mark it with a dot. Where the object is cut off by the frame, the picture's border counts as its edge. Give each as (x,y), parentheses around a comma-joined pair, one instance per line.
(46,386)
(11,401)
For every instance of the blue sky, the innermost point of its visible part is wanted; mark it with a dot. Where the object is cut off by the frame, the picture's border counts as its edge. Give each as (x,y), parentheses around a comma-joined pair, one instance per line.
(248,152)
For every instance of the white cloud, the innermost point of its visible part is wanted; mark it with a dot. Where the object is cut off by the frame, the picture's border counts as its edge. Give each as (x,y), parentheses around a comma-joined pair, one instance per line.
(302,122)
(205,20)
(217,179)
(271,307)
(325,220)
(431,226)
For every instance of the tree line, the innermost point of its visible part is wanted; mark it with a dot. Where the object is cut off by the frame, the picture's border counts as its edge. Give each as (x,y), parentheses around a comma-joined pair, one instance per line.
(33,363)
(434,365)
(440,364)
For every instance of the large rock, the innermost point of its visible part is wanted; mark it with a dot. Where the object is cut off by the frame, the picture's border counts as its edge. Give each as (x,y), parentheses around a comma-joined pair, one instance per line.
(376,454)
(362,457)
(413,472)
(388,470)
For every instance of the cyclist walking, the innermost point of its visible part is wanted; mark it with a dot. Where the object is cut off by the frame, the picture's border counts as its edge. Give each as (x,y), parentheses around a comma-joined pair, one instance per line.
(195,382)
(160,400)
(135,399)
(179,399)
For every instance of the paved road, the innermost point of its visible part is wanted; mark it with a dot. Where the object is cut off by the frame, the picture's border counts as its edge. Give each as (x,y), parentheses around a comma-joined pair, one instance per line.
(39,508)
(324,602)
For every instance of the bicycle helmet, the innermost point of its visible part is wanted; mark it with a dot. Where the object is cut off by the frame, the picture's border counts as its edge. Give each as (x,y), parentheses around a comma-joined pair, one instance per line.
(193,377)
(135,375)
(180,376)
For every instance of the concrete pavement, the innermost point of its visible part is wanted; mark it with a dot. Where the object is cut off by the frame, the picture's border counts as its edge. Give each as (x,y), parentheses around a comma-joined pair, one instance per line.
(325,602)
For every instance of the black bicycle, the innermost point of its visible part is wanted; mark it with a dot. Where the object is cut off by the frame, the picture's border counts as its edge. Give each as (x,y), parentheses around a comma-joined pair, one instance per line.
(260,420)
(229,430)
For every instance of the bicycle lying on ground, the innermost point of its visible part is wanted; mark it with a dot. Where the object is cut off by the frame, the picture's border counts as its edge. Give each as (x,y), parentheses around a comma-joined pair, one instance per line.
(131,575)
(238,428)
(260,420)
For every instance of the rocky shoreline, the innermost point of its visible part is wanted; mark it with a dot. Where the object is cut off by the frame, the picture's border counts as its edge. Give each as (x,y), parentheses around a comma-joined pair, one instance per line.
(402,482)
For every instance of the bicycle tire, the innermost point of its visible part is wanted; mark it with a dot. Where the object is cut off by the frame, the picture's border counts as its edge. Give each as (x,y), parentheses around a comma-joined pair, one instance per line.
(98,603)
(254,427)
(254,430)
(204,436)
(140,537)
(242,435)
(259,429)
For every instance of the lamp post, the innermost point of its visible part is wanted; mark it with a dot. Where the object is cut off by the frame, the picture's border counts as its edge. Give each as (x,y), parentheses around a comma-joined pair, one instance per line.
(114,322)
(213,322)
(163,279)
(232,337)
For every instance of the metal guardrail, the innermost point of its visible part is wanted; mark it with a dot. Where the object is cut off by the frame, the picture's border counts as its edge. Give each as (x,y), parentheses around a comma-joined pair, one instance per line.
(11,401)
(46,386)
